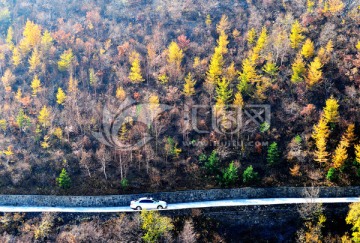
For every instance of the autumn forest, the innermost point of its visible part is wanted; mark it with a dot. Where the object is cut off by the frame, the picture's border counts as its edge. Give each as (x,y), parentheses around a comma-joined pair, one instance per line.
(62,64)
(202,94)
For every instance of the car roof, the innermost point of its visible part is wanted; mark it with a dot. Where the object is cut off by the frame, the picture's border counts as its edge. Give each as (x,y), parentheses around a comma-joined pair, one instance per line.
(145,198)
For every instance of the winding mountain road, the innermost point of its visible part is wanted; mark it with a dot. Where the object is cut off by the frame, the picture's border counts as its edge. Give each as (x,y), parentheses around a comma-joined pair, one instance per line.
(188,205)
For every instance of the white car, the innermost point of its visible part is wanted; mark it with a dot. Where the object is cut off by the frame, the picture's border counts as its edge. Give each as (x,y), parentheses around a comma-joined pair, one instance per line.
(147,203)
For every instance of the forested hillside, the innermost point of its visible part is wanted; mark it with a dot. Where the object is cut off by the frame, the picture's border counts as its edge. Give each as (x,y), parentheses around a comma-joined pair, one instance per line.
(66,65)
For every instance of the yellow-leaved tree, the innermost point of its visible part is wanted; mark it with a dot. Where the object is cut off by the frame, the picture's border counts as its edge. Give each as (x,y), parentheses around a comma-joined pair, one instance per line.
(208,20)
(223,97)
(31,37)
(36,85)
(310,4)
(329,46)
(223,25)
(251,35)
(222,43)
(324,53)
(154,104)
(298,68)
(72,86)
(296,36)
(238,100)
(358,46)
(217,60)
(120,93)
(215,68)
(314,72)
(135,71)
(16,56)
(223,91)
(341,153)
(58,133)
(175,55)
(353,218)
(248,74)
(44,116)
(331,110)
(8,79)
(9,38)
(349,135)
(18,95)
(93,79)
(34,60)
(357,153)
(65,61)
(320,134)
(154,225)
(231,72)
(60,96)
(260,44)
(270,68)
(308,49)
(189,85)
(46,40)
(334,6)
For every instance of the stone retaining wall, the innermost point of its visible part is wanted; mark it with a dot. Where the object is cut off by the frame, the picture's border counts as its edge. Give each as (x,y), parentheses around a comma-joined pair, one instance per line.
(173,197)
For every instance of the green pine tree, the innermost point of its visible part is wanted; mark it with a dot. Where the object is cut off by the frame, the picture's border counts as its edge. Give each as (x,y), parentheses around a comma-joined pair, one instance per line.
(22,120)
(211,165)
(230,175)
(64,180)
(273,154)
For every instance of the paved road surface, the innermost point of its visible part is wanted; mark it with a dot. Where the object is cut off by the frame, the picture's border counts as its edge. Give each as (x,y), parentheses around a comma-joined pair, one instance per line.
(189,205)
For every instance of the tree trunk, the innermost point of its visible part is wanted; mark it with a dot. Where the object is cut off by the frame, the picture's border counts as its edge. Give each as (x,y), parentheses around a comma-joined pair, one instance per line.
(121,167)
(104,168)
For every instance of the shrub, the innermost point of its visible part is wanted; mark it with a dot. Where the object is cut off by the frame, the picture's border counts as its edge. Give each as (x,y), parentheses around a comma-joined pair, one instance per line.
(331,175)
(124,183)
(298,139)
(264,127)
(171,147)
(211,165)
(249,175)
(202,158)
(229,175)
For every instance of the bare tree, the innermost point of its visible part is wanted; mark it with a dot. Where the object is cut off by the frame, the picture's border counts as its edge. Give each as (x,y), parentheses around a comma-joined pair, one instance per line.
(103,157)
(85,232)
(188,234)
(310,209)
(85,161)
